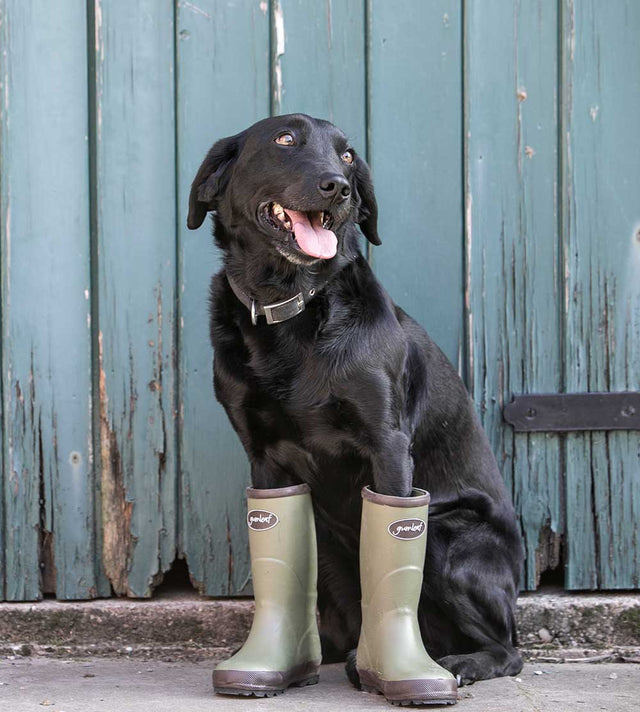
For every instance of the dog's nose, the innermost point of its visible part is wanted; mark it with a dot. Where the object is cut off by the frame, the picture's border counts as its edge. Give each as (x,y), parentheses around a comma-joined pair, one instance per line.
(334,186)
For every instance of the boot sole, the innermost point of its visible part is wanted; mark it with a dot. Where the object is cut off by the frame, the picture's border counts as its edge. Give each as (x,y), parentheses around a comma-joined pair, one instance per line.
(267,683)
(410,692)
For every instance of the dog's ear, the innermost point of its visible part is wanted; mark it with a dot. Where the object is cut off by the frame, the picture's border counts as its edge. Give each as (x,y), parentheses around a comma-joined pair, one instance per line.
(368,208)
(212,178)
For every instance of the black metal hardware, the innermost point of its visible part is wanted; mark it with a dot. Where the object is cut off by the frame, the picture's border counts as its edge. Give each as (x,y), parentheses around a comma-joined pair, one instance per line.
(564,412)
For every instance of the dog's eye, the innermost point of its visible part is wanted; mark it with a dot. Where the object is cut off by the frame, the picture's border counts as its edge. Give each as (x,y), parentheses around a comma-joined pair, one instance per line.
(347,157)
(285,139)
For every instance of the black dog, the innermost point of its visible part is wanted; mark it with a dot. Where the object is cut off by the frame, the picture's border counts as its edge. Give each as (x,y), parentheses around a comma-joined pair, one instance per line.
(346,390)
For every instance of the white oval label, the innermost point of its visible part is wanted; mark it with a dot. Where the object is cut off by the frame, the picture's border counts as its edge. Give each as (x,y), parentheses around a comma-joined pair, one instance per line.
(407,528)
(261,519)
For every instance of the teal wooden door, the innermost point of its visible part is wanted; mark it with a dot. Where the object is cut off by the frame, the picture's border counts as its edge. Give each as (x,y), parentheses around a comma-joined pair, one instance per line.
(503,141)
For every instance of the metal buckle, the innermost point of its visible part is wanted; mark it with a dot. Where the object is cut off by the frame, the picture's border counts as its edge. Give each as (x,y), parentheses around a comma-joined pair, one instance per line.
(290,307)
(254,312)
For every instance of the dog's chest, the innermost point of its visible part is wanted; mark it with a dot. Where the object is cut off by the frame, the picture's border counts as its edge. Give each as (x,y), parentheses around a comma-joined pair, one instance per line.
(300,392)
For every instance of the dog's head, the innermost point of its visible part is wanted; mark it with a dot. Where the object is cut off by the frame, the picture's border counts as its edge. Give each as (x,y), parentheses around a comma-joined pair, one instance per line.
(293,181)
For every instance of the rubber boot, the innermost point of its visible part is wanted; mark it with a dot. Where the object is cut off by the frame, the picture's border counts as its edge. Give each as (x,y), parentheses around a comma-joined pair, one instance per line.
(391,658)
(283,647)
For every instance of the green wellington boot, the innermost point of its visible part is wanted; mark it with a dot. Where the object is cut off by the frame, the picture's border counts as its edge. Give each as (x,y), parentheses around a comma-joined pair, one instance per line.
(391,658)
(283,647)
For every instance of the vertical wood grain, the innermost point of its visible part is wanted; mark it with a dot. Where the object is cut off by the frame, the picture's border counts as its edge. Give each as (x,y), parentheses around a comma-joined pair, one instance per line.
(318,58)
(2,427)
(415,129)
(503,141)
(2,474)
(46,354)
(135,211)
(223,87)
(601,105)
(512,249)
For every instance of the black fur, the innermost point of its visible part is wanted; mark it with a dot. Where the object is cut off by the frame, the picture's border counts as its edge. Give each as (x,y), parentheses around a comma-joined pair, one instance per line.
(351,392)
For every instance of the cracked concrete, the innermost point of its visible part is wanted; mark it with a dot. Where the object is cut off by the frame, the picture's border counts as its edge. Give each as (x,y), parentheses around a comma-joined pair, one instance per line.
(130,685)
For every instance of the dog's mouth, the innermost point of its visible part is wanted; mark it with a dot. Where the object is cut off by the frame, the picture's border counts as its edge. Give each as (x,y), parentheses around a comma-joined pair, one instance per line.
(309,231)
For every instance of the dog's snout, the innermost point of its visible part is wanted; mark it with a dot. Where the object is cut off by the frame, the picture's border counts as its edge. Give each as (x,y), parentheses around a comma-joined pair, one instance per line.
(334,186)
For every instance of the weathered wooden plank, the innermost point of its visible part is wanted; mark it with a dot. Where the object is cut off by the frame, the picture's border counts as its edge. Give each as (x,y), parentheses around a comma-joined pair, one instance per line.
(511,246)
(46,354)
(2,430)
(220,92)
(2,474)
(319,62)
(136,227)
(601,154)
(415,89)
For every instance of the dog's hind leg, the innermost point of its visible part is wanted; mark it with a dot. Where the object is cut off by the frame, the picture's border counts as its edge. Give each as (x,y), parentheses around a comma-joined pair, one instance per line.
(487,623)
(497,661)
(472,624)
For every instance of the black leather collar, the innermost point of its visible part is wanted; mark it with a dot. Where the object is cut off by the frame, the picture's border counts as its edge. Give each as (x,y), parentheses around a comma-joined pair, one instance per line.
(278,311)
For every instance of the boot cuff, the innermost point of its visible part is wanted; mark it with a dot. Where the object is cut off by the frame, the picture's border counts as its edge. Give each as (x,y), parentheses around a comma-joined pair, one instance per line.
(418,498)
(279,492)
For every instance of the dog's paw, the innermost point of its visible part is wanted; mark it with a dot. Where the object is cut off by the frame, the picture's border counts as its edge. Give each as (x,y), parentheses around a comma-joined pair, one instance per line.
(350,668)
(464,668)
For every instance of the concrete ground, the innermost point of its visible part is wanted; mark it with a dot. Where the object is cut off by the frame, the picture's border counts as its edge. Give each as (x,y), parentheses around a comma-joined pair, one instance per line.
(43,684)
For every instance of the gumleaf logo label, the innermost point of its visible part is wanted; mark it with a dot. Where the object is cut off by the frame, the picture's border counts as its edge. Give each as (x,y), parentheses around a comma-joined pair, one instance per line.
(260,519)
(407,528)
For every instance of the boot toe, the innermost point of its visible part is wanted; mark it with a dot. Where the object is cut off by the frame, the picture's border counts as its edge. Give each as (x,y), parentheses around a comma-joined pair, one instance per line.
(418,691)
(263,682)
(238,682)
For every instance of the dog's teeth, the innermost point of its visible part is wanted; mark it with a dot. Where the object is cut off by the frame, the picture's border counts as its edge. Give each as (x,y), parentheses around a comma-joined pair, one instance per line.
(279,213)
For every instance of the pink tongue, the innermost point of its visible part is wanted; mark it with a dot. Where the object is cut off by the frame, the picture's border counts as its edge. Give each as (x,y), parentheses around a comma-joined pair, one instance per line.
(311,237)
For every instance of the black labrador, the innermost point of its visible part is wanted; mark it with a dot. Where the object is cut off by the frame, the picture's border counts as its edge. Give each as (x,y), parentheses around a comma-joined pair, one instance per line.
(337,387)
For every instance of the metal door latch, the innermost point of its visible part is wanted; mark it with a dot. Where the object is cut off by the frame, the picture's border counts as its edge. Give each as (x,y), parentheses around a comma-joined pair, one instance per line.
(564,412)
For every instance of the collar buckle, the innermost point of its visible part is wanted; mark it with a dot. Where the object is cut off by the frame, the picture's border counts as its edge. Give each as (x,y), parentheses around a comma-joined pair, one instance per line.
(281,311)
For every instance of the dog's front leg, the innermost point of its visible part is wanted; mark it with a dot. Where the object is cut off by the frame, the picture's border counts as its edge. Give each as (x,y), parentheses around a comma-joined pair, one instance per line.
(393,465)
(264,475)
(390,657)
(372,416)
(281,463)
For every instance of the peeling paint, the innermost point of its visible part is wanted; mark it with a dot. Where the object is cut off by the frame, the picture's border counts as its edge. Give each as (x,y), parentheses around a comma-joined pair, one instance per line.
(229,557)
(195,9)
(602,331)
(548,550)
(571,37)
(278,20)
(99,45)
(116,510)
(48,571)
(7,249)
